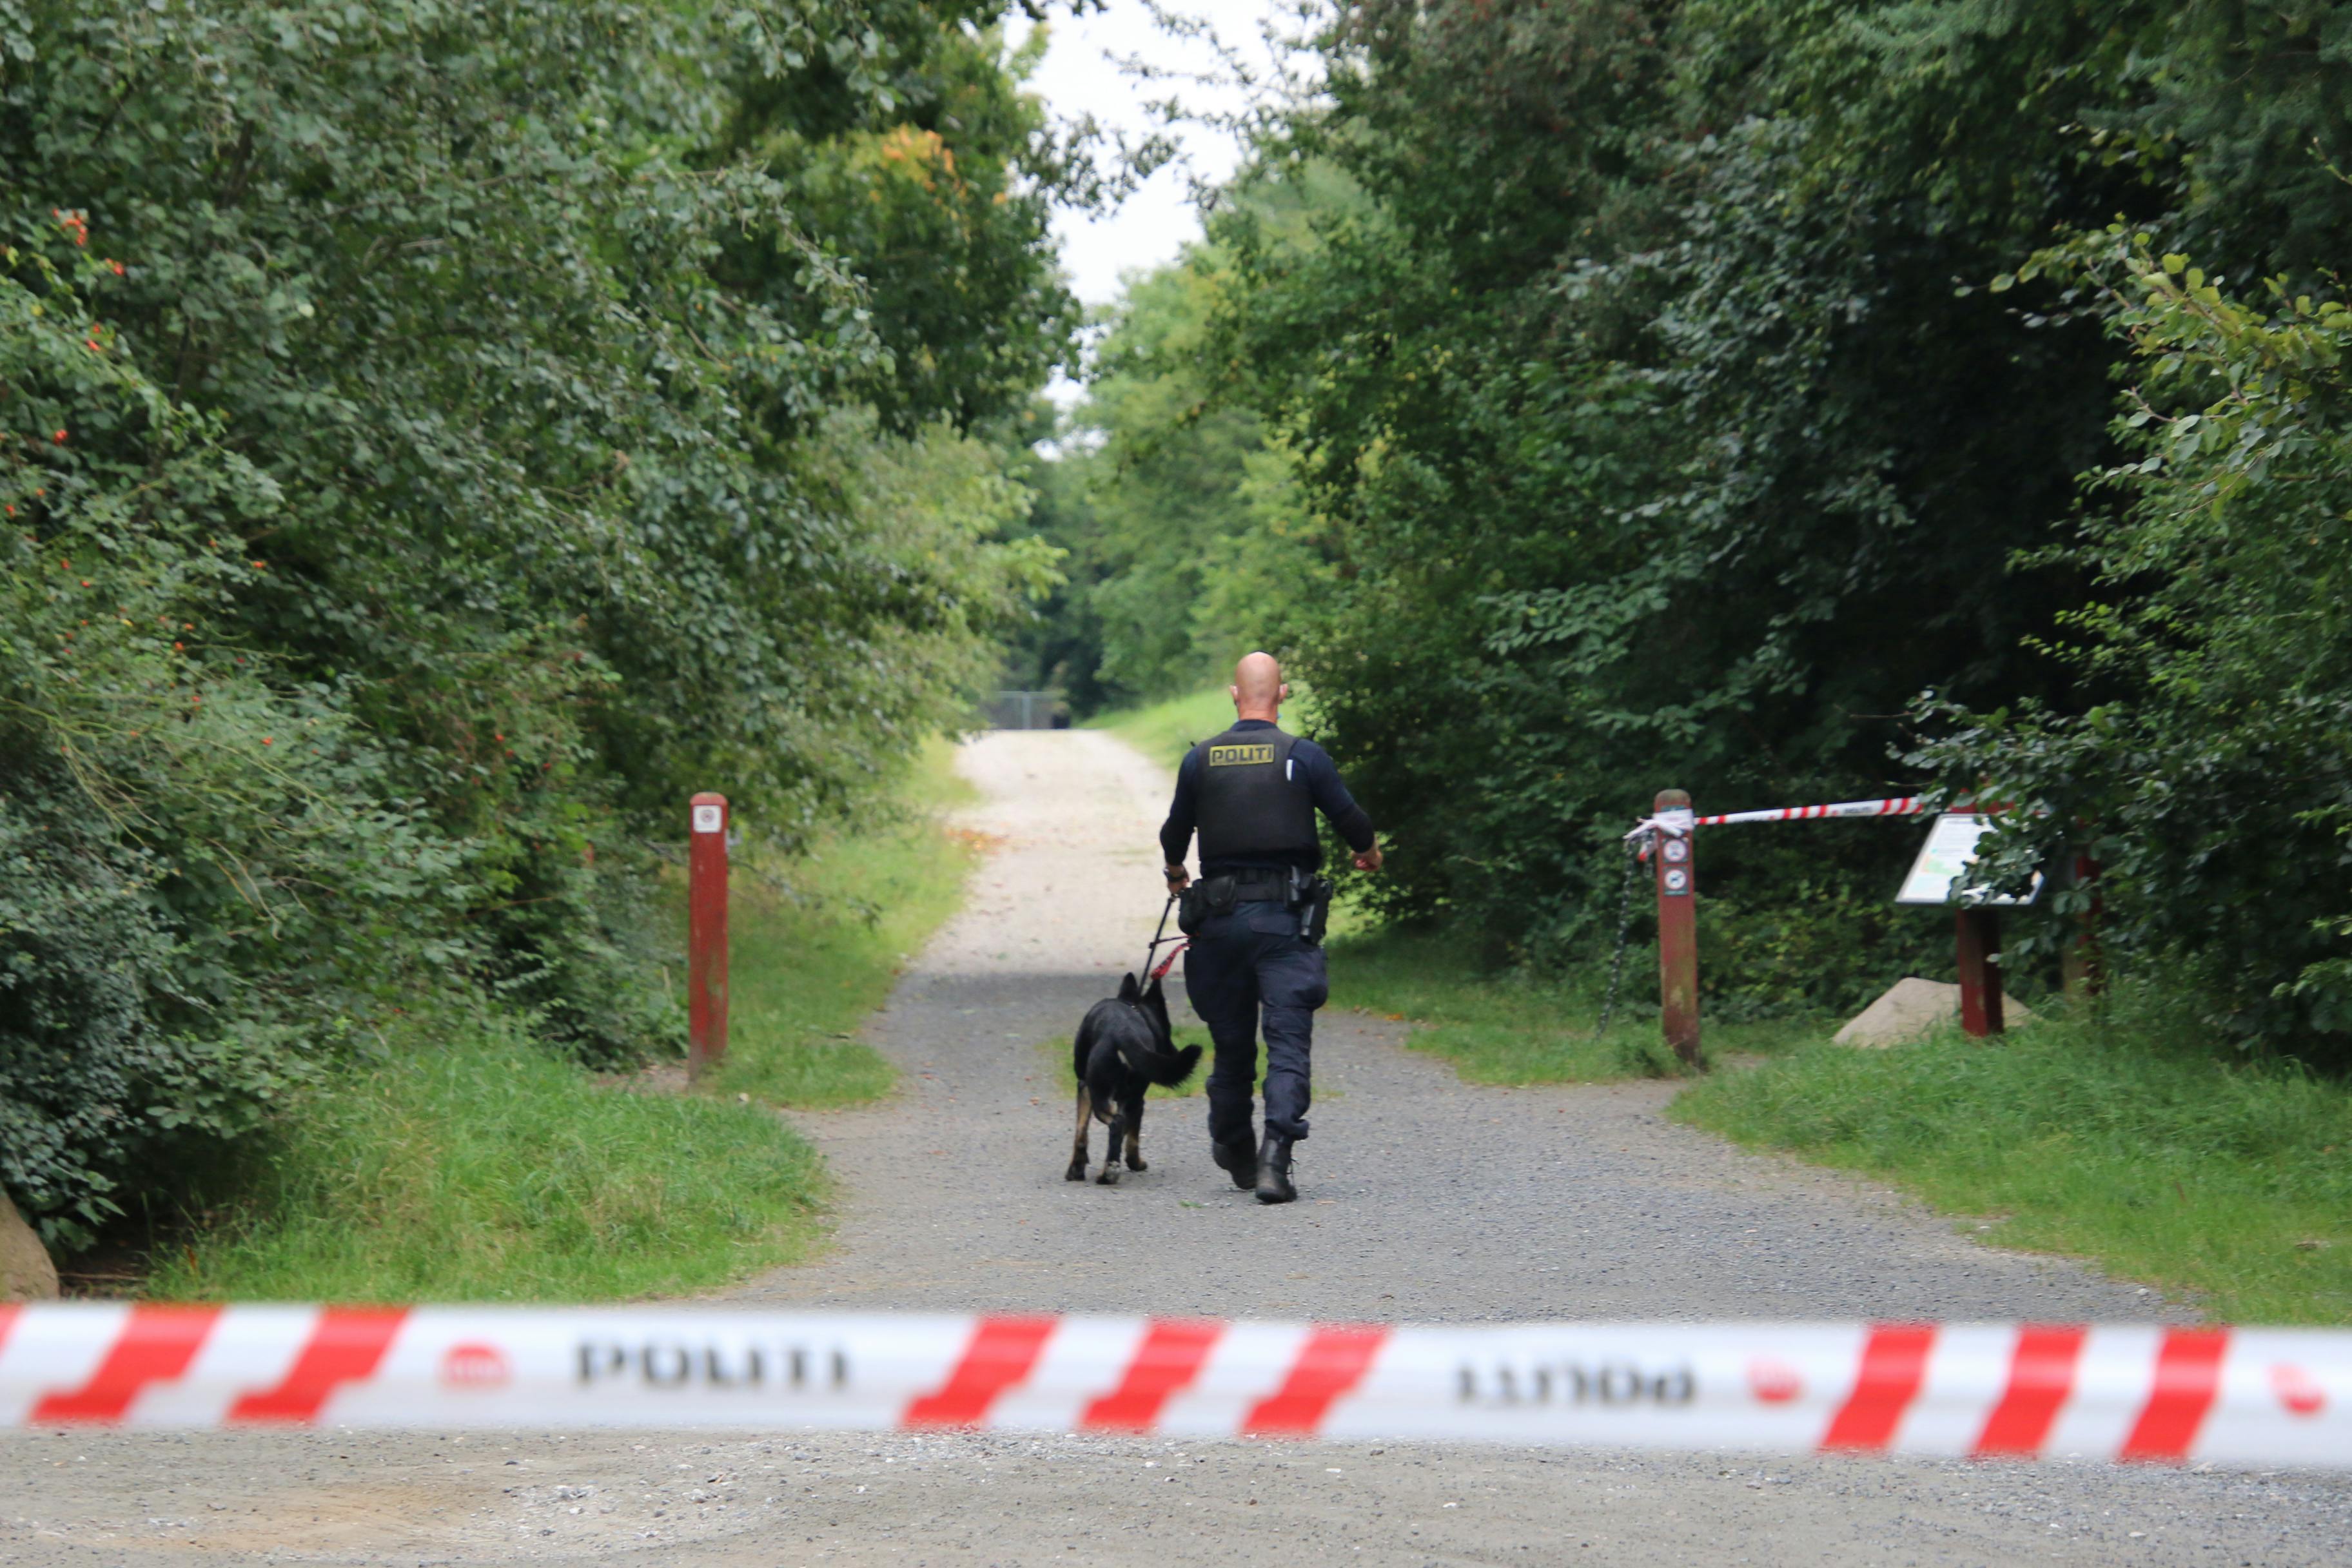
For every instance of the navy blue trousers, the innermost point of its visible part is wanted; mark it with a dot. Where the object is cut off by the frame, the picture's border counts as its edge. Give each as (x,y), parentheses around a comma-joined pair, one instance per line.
(1241,968)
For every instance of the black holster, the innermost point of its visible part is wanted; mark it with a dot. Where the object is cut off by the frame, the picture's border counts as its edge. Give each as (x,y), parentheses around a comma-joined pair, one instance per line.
(1303,893)
(1309,898)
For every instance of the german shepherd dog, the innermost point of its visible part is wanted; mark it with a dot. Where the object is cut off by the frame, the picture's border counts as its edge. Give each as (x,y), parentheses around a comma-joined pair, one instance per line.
(1123,1047)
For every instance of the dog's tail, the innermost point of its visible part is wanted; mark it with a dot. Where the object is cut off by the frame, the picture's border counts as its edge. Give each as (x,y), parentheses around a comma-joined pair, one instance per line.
(1171,1068)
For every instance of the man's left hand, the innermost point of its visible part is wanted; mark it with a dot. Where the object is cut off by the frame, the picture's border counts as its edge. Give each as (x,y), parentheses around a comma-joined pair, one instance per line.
(1177,877)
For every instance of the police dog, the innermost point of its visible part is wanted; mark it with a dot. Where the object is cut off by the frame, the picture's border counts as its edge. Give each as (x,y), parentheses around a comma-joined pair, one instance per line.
(1123,1047)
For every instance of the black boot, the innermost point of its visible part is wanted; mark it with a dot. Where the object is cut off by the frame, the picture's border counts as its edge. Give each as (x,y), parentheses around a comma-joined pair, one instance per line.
(1273,1170)
(1237,1160)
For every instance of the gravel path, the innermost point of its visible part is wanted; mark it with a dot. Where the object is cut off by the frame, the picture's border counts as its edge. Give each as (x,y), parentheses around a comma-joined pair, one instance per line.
(1422,1198)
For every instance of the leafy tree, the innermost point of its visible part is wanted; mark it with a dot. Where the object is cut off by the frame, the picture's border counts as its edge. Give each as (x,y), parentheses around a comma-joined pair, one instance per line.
(935,184)
(1656,444)
(516,455)
(1189,540)
(2212,784)
(207,879)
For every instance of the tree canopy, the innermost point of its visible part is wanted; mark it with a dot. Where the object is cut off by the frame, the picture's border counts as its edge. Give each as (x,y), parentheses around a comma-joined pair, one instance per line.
(1680,402)
(434,438)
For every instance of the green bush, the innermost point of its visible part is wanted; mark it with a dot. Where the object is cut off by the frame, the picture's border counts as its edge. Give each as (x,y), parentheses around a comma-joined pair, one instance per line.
(206,869)
(2211,782)
(431,445)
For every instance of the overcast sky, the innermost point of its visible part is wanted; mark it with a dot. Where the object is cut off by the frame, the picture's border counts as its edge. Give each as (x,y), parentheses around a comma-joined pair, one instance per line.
(1080,74)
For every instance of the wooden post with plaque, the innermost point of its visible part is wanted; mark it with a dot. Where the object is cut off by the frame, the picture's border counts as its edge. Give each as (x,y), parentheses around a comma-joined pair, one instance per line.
(1943,875)
(1977,948)
(1676,864)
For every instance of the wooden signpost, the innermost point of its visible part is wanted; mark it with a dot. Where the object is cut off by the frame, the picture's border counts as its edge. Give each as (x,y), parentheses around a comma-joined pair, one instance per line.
(1676,864)
(706,934)
(1940,875)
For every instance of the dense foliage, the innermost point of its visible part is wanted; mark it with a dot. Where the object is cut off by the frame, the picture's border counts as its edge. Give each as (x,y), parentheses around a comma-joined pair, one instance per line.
(1675,407)
(434,438)
(2212,780)
(1179,523)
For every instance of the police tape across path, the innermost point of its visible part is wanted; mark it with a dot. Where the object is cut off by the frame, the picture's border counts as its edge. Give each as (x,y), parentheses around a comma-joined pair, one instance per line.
(2232,1396)
(1678,823)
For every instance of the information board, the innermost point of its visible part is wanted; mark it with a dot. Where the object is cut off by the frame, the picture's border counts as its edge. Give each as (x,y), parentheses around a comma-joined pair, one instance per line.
(1940,872)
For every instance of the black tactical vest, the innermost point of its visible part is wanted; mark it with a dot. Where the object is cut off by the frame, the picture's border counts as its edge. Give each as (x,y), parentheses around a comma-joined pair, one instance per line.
(1250,807)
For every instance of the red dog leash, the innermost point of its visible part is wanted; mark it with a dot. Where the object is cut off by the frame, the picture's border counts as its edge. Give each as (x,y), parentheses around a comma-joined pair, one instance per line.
(1159,941)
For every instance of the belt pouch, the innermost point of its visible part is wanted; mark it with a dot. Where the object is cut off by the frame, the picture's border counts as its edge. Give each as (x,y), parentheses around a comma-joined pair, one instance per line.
(1199,901)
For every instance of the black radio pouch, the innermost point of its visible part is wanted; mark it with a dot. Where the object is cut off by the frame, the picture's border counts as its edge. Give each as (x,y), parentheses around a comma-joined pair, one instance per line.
(1199,899)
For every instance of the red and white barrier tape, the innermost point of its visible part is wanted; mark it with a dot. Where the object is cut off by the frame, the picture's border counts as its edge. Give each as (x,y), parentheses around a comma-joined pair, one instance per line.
(1901,805)
(1678,824)
(2242,1396)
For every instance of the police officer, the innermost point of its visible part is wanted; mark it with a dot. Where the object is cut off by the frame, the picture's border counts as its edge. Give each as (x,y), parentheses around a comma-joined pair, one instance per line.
(1252,794)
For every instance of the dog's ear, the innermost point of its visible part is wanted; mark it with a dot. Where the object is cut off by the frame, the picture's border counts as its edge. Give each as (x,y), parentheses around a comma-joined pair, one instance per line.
(1127,991)
(1151,992)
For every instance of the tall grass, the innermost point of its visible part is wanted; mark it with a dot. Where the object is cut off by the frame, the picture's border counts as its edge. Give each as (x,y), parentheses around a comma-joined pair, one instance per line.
(1499,1026)
(1165,731)
(2119,1136)
(472,1165)
(817,944)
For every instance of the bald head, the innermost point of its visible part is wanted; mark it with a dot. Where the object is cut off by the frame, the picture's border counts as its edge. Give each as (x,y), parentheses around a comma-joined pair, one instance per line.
(1257,688)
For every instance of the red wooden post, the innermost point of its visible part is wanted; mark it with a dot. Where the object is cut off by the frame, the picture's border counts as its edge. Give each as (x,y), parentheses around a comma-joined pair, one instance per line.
(1676,863)
(1980,953)
(705,935)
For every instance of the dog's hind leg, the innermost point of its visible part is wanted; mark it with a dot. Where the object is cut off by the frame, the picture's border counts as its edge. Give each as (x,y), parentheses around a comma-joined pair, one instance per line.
(1135,1135)
(1109,1177)
(1077,1171)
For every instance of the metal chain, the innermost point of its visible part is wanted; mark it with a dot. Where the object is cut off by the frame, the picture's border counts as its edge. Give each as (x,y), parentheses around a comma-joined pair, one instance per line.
(1624,928)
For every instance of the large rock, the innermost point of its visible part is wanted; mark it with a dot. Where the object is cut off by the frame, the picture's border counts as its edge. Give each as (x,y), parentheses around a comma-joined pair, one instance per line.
(26,1272)
(1913,1006)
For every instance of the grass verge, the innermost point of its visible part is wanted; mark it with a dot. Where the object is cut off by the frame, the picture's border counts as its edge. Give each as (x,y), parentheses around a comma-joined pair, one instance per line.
(473,1166)
(1512,1027)
(818,942)
(2122,1139)
(1165,731)
(469,1164)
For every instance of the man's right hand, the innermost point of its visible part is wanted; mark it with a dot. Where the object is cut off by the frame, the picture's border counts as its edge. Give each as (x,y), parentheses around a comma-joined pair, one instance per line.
(1369,860)
(1177,877)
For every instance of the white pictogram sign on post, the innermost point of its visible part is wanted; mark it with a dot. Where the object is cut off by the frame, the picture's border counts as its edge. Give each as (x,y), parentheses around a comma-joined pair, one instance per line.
(708,819)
